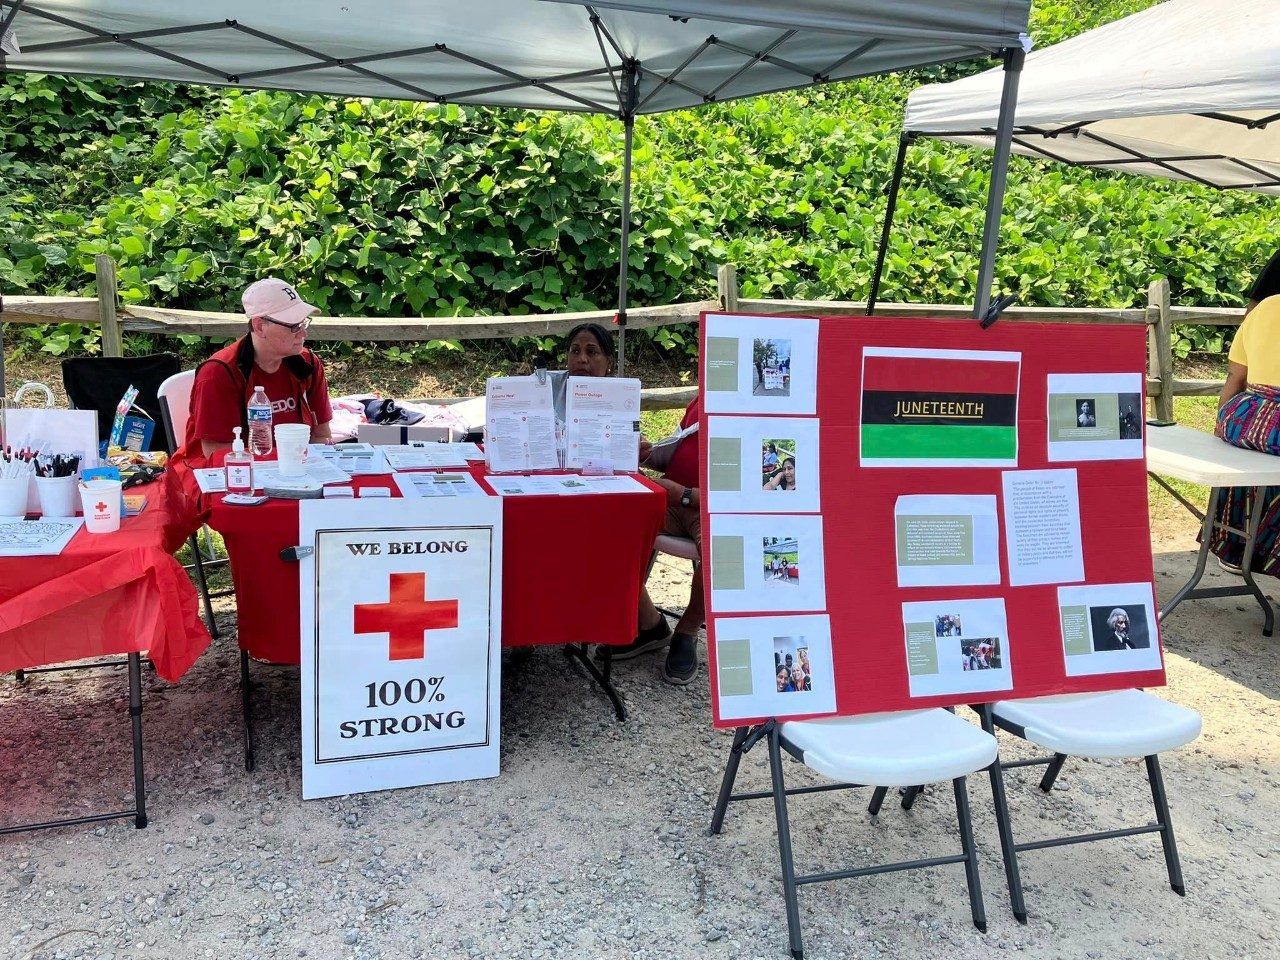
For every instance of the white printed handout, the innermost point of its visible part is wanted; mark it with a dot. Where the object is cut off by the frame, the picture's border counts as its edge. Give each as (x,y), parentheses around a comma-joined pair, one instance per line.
(212,479)
(774,666)
(426,456)
(957,646)
(762,465)
(946,540)
(1109,628)
(602,422)
(1095,416)
(42,537)
(1042,526)
(401,641)
(767,563)
(355,459)
(520,425)
(760,364)
(438,485)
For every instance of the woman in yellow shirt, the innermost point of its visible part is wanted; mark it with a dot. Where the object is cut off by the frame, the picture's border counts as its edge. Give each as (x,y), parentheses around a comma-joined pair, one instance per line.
(1249,416)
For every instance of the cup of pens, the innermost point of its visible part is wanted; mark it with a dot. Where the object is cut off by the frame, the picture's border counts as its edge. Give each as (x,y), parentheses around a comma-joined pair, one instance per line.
(16,470)
(56,485)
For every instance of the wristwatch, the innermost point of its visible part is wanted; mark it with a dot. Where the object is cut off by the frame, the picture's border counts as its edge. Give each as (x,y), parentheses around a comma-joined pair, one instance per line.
(686,498)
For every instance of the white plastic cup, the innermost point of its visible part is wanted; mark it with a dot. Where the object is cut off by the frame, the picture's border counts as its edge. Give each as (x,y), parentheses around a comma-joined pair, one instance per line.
(13,496)
(58,495)
(101,501)
(291,448)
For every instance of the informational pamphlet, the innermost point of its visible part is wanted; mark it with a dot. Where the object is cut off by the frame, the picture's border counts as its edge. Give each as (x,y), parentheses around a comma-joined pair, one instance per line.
(520,425)
(602,422)
(946,540)
(438,485)
(564,485)
(1042,515)
(211,479)
(957,646)
(426,456)
(1108,628)
(354,459)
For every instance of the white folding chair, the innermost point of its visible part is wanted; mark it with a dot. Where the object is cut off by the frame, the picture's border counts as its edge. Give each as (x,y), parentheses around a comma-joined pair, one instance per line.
(1120,724)
(881,750)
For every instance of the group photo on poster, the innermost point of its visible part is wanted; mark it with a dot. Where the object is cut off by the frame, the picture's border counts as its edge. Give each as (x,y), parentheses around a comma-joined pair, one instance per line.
(756,364)
(956,646)
(767,563)
(774,666)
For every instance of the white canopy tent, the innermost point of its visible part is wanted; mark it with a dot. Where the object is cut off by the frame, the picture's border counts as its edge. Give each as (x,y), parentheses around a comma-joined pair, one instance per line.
(623,58)
(1187,89)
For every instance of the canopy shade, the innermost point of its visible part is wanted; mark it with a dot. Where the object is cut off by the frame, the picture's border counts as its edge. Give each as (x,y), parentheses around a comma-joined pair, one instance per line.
(1187,89)
(540,54)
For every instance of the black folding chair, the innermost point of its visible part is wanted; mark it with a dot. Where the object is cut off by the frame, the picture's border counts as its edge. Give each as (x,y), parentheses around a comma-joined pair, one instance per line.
(98,383)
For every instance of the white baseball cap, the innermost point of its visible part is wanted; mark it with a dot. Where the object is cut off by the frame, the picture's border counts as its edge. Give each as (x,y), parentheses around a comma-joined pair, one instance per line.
(272,297)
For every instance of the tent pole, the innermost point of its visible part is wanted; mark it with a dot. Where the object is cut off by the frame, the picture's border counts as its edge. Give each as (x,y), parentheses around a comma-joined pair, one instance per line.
(628,96)
(904,141)
(1013,59)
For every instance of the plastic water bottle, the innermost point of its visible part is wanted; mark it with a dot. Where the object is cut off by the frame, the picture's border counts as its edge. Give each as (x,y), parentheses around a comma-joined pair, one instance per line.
(259,423)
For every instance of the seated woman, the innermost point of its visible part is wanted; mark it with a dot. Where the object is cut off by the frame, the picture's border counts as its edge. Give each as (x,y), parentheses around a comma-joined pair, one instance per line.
(770,462)
(1249,416)
(784,478)
(589,354)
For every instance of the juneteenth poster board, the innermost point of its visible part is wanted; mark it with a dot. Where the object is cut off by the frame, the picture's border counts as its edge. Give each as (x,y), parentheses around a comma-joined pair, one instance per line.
(904,513)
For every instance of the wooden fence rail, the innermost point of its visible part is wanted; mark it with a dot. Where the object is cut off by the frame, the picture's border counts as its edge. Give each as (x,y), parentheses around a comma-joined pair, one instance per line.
(105,312)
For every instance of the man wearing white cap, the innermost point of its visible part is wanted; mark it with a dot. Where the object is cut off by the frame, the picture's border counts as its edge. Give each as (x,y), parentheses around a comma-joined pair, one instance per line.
(272,356)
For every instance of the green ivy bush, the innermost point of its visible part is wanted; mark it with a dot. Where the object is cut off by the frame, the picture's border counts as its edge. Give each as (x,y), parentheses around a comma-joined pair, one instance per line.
(380,208)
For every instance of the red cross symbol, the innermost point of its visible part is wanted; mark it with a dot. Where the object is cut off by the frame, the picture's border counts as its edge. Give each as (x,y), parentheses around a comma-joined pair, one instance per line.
(100,506)
(407,616)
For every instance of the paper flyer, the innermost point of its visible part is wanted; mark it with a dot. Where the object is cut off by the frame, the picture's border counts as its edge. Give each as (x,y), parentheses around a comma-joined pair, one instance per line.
(1095,416)
(957,646)
(767,563)
(939,408)
(602,422)
(774,666)
(520,425)
(760,365)
(1042,518)
(946,540)
(1108,628)
(437,485)
(763,465)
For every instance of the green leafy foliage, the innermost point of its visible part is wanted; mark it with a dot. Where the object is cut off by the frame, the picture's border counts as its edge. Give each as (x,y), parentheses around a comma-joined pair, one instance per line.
(379,208)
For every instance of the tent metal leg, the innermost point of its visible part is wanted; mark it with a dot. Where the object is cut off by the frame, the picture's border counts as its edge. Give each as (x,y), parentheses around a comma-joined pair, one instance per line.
(891,207)
(1013,60)
(627,107)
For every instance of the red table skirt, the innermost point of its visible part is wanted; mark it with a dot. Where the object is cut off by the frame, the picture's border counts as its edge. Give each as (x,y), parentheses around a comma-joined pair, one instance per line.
(104,594)
(572,567)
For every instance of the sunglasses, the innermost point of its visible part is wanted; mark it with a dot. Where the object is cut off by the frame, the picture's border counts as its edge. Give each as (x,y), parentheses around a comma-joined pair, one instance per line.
(291,327)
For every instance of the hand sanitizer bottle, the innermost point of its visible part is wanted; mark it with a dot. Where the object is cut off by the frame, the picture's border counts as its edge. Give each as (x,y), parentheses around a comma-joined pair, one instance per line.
(239,467)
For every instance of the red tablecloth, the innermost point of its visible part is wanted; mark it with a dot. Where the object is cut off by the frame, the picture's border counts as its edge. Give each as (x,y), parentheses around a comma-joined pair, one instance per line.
(572,567)
(104,594)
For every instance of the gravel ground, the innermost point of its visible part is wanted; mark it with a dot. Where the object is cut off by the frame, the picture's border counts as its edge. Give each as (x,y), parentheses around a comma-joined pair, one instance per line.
(593,843)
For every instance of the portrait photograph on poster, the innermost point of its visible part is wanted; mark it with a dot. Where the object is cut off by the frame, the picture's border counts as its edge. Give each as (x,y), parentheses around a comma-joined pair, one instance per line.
(1108,628)
(939,408)
(956,646)
(755,364)
(767,563)
(762,465)
(773,666)
(1095,416)
(946,540)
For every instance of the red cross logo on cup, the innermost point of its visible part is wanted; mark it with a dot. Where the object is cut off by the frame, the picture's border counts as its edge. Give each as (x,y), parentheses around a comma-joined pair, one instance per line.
(100,507)
(407,616)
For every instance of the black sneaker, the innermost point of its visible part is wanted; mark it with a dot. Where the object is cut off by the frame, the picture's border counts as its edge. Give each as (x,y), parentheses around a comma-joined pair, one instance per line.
(649,640)
(681,667)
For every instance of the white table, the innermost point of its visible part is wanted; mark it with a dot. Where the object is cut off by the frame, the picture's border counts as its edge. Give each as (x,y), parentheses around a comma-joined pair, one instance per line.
(1186,454)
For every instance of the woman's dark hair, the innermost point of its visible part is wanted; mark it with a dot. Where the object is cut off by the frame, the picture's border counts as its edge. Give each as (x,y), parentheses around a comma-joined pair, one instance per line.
(597,331)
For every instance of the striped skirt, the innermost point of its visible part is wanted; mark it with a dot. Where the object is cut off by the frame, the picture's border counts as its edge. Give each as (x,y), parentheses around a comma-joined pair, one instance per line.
(1251,420)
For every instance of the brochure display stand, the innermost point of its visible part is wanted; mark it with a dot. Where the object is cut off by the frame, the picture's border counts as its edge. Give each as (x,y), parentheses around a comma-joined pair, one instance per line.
(922,514)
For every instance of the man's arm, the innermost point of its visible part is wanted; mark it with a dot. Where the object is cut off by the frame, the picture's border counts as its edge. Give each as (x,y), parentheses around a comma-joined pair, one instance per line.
(321,433)
(675,491)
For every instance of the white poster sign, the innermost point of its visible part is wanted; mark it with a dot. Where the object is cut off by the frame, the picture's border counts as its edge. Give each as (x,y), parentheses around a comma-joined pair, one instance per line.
(401,618)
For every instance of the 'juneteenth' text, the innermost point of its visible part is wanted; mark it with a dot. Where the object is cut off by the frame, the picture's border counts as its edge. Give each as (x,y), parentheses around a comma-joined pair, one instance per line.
(938,408)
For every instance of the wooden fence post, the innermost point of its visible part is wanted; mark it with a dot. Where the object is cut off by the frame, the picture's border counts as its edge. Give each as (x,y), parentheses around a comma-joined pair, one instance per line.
(112,340)
(1162,346)
(727,287)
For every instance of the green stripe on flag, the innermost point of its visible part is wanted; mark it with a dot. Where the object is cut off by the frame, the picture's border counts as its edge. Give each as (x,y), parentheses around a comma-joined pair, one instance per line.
(885,441)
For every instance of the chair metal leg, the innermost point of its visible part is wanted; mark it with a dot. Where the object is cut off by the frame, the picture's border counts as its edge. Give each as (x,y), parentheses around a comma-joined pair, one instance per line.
(730,775)
(1004,827)
(976,905)
(877,800)
(246,711)
(578,652)
(202,583)
(909,795)
(135,714)
(1051,773)
(784,844)
(1166,825)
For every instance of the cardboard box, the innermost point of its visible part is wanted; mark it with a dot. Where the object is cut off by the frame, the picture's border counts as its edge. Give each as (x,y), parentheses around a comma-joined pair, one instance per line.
(390,433)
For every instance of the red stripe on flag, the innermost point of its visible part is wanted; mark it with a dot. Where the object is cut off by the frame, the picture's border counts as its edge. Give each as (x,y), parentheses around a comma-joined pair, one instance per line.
(924,374)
